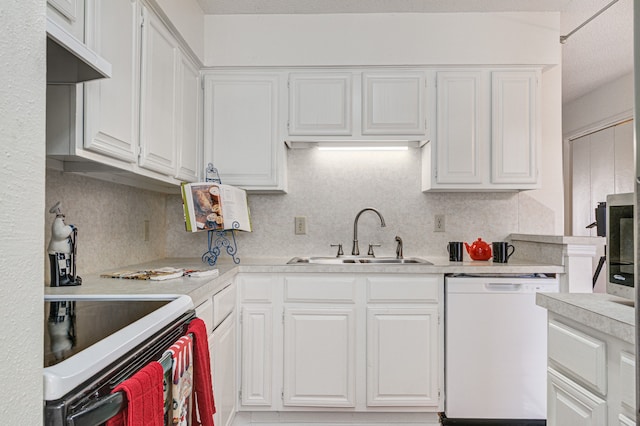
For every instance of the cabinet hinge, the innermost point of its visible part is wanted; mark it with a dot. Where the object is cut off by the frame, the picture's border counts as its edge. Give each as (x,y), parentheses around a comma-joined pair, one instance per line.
(288,125)
(283,317)
(240,394)
(282,394)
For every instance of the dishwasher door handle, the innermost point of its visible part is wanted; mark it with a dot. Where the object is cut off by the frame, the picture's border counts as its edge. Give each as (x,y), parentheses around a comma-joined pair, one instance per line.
(514,287)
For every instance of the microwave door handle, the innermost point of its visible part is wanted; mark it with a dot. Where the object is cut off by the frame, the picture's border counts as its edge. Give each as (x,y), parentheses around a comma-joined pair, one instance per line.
(98,411)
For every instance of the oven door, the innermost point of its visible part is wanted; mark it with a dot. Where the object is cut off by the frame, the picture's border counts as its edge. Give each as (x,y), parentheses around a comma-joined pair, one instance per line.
(77,390)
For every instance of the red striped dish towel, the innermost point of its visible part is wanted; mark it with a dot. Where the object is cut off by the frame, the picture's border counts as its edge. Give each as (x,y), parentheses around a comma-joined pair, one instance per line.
(202,387)
(144,398)
(181,379)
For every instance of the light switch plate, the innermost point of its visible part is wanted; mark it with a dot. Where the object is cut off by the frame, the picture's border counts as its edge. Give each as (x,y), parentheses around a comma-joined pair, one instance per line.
(300,225)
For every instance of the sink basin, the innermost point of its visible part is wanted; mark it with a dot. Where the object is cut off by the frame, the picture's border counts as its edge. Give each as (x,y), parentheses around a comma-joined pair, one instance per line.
(358,261)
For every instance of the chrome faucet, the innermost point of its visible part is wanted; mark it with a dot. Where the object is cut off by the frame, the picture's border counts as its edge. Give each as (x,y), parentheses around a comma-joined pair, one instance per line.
(399,248)
(356,250)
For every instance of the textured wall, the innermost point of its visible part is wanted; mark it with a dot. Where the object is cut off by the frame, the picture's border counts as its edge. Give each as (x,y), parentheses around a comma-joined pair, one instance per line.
(110,221)
(22,162)
(329,188)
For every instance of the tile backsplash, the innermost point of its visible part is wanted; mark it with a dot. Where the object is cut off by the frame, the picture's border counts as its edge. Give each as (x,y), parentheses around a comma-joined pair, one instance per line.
(328,188)
(110,221)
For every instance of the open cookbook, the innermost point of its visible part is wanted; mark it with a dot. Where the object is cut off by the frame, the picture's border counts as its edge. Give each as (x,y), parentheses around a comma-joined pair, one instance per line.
(214,206)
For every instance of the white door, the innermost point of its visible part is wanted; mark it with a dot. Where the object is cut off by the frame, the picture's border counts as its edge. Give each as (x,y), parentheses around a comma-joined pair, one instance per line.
(460,134)
(402,356)
(190,165)
(222,347)
(257,355)
(514,126)
(319,357)
(320,104)
(393,103)
(241,133)
(111,105)
(158,129)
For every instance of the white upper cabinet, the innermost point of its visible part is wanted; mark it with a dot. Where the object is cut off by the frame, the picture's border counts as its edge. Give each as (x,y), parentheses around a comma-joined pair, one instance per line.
(320,104)
(487,131)
(514,127)
(158,130)
(458,131)
(111,122)
(357,105)
(189,138)
(393,103)
(146,119)
(242,129)
(69,14)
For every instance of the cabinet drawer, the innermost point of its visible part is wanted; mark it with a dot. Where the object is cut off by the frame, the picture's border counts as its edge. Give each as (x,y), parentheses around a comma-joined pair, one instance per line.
(204,311)
(579,354)
(223,303)
(320,288)
(256,288)
(403,288)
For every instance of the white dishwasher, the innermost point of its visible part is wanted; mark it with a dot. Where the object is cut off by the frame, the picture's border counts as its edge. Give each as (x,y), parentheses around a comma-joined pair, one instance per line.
(496,349)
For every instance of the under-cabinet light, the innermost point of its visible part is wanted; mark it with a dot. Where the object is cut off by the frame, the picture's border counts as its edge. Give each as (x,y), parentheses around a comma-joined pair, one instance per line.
(363,148)
(351,145)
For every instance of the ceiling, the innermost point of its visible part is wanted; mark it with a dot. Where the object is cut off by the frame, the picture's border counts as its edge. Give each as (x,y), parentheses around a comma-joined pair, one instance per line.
(599,52)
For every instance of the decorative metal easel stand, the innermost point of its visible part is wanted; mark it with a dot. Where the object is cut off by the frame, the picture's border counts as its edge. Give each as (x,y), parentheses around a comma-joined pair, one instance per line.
(218,240)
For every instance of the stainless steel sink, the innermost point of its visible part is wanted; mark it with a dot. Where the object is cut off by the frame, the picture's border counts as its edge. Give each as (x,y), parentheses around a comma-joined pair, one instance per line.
(358,261)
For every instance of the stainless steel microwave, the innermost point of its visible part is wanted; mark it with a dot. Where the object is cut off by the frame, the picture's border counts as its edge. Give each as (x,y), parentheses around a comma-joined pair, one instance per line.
(620,245)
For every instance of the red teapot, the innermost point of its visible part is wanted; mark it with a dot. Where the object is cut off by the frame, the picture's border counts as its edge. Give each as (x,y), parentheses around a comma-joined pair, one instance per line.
(479,250)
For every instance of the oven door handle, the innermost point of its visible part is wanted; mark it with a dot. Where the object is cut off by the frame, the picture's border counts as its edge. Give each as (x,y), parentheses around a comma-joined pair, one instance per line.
(98,411)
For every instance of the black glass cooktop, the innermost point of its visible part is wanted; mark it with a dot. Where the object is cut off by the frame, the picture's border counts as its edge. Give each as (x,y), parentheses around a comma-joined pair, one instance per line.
(72,326)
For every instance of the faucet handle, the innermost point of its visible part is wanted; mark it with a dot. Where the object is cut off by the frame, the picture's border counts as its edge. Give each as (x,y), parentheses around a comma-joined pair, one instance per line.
(340,252)
(371,246)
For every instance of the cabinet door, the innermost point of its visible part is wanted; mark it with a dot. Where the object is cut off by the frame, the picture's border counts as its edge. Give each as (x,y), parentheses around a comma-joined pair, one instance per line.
(111,105)
(189,121)
(158,128)
(459,132)
(241,133)
(222,347)
(514,127)
(257,355)
(320,104)
(402,356)
(582,208)
(69,14)
(319,357)
(623,163)
(393,103)
(571,404)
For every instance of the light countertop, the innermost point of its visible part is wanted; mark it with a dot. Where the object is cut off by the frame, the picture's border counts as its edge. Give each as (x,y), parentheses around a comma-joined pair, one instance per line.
(603,312)
(200,288)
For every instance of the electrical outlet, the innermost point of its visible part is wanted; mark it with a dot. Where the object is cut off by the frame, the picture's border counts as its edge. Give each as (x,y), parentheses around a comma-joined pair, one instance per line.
(438,223)
(300,225)
(146,230)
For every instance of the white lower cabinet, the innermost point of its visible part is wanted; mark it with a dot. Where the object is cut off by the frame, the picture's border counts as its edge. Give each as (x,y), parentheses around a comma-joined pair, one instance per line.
(218,314)
(319,357)
(571,404)
(402,355)
(591,376)
(336,342)
(222,348)
(256,356)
